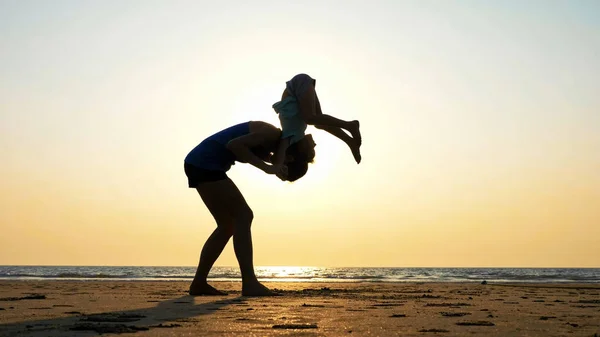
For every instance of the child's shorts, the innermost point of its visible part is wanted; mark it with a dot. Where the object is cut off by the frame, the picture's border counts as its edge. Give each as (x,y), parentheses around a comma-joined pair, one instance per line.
(298,85)
(197,176)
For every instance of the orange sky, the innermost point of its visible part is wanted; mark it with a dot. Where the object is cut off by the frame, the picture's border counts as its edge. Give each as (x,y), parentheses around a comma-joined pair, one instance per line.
(481,131)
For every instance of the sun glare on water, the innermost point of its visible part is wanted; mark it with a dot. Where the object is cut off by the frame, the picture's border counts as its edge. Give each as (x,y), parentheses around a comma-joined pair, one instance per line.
(287,273)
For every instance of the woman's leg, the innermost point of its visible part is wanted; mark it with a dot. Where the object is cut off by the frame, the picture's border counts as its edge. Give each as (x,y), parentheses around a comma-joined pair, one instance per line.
(210,192)
(210,252)
(233,216)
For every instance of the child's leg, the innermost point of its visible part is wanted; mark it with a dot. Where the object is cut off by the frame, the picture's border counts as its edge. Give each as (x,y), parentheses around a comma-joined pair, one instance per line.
(351,142)
(353,126)
(310,110)
(307,104)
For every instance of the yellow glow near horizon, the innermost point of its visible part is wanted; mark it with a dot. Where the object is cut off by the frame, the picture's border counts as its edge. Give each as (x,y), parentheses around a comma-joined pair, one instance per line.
(479,146)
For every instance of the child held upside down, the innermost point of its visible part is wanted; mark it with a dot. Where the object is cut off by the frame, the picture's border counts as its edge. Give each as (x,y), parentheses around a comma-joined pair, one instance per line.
(299,106)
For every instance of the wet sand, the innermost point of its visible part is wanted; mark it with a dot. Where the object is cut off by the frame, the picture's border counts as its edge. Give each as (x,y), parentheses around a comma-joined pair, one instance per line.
(89,308)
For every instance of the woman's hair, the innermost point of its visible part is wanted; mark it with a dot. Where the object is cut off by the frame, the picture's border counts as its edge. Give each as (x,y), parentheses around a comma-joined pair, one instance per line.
(296,170)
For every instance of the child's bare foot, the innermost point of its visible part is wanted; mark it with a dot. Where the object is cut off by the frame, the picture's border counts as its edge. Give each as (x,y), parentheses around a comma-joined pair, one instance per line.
(355,148)
(257,289)
(205,289)
(355,132)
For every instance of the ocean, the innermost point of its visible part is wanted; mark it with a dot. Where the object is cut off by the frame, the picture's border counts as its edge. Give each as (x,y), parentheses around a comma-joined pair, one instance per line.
(306,274)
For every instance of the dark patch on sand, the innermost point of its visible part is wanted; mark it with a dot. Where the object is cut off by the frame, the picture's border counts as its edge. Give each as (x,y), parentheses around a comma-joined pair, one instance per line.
(434,330)
(475,323)
(388,304)
(398,315)
(313,305)
(444,304)
(545,318)
(73,313)
(430,296)
(172,325)
(415,291)
(28,297)
(295,326)
(454,314)
(40,327)
(112,317)
(108,328)
(589,301)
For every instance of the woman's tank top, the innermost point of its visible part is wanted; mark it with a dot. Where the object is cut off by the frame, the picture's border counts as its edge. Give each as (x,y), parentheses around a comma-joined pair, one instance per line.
(212,153)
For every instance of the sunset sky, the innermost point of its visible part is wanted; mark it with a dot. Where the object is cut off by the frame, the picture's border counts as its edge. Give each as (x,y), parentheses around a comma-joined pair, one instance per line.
(480,124)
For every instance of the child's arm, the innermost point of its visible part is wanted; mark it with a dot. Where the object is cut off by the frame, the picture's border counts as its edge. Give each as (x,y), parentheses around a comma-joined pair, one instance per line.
(279,156)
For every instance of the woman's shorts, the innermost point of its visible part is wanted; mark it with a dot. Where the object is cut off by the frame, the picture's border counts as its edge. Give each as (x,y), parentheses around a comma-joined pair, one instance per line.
(197,176)
(298,85)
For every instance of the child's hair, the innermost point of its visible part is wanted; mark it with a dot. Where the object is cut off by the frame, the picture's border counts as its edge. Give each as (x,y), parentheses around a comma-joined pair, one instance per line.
(299,156)
(296,170)
(298,166)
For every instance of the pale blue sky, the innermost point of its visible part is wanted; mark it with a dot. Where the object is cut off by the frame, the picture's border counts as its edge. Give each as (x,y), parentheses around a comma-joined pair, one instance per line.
(474,113)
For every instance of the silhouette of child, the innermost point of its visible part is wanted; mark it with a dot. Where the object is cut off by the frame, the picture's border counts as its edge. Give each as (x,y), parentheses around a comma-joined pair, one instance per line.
(299,106)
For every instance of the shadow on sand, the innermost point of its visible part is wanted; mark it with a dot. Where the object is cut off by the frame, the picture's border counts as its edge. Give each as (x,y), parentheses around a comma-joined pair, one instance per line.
(167,314)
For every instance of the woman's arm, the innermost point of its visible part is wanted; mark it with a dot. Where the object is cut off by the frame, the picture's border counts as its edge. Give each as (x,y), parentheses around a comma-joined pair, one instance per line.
(241,147)
(279,156)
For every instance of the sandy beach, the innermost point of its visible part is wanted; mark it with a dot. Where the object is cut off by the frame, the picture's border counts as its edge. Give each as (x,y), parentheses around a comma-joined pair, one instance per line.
(89,308)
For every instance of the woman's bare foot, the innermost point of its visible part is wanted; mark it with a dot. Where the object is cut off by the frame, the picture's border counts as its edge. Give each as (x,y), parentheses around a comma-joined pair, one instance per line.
(256,289)
(355,148)
(355,132)
(204,289)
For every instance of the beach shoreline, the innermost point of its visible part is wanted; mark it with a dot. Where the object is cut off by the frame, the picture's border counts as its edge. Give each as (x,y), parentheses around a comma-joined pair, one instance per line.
(158,308)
